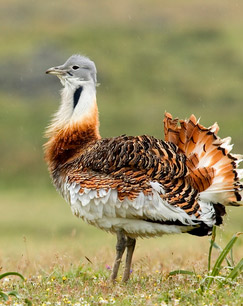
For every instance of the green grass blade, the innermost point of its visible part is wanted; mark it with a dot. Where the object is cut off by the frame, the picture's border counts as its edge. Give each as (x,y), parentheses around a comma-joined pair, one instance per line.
(221,257)
(223,254)
(237,269)
(28,302)
(211,247)
(232,258)
(13,293)
(216,246)
(175,272)
(11,273)
(4,296)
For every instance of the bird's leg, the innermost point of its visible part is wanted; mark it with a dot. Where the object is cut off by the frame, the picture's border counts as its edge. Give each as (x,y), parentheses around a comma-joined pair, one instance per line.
(120,248)
(131,242)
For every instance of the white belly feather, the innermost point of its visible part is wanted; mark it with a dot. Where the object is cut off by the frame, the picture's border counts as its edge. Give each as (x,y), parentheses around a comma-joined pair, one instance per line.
(104,209)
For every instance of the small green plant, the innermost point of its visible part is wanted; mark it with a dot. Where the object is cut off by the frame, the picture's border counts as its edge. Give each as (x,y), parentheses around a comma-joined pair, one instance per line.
(5,295)
(232,271)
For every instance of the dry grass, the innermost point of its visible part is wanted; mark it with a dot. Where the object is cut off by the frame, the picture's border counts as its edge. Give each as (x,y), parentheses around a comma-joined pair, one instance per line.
(88,284)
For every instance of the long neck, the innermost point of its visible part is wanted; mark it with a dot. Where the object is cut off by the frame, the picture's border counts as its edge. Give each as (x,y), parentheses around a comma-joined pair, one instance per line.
(74,126)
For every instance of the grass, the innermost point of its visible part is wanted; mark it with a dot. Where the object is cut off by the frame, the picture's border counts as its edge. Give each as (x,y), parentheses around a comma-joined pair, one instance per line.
(7,295)
(88,284)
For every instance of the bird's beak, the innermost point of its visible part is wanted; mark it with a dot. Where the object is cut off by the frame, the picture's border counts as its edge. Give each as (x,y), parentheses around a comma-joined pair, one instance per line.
(56,71)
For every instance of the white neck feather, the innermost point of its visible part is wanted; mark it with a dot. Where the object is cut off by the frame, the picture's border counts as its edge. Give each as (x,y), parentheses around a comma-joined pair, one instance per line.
(66,113)
(85,104)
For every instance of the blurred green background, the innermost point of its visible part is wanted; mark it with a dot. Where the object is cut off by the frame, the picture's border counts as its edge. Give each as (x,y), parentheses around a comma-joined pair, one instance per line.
(180,56)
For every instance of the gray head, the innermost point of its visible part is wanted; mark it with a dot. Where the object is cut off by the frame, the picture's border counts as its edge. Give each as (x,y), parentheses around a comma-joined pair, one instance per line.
(77,70)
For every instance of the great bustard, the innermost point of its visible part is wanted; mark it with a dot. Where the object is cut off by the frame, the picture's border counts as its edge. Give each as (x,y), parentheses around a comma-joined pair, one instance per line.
(137,186)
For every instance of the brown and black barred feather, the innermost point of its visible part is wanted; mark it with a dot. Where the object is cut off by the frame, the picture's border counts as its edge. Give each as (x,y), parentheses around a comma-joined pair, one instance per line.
(128,164)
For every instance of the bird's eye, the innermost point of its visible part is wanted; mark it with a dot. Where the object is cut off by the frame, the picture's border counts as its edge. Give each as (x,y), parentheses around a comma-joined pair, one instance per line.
(75,67)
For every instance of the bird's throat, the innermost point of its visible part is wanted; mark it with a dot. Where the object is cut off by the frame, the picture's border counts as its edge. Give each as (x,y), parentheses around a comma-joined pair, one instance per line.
(77,95)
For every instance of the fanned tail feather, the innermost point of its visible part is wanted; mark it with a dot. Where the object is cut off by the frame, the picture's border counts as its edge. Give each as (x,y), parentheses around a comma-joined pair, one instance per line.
(214,171)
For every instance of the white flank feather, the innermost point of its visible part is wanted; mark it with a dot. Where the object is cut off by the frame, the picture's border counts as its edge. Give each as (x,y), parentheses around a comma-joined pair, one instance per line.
(105,210)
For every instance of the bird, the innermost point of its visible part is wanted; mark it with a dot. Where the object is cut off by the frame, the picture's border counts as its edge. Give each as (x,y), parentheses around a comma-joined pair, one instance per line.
(137,186)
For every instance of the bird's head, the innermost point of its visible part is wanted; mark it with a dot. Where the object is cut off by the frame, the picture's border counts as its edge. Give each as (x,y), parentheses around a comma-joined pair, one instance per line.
(77,71)
(78,97)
